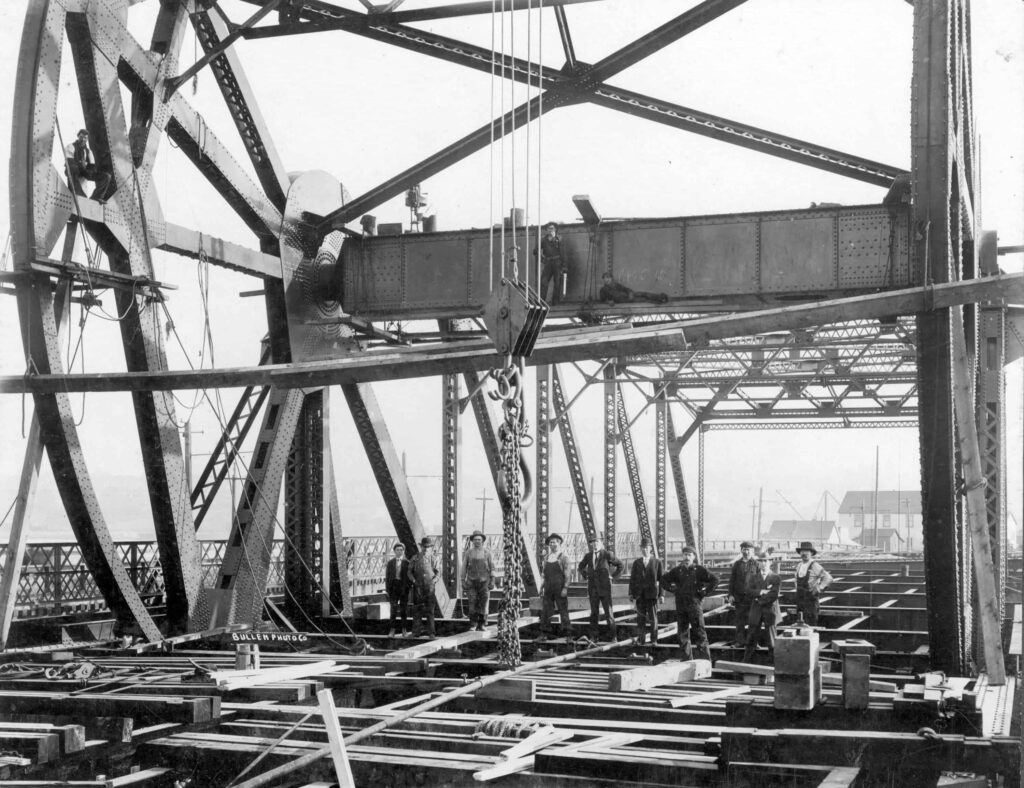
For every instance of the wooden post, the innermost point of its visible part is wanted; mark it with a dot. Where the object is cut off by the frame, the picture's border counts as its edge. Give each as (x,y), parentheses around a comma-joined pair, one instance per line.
(342,768)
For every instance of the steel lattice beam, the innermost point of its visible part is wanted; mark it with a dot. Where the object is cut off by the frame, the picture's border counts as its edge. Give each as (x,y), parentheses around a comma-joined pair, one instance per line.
(632,466)
(689,533)
(611,399)
(306,515)
(542,452)
(577,474)
(451,454)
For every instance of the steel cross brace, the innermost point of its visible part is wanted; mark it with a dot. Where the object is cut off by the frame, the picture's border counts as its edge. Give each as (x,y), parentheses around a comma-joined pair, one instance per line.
(633,469)
(584,83)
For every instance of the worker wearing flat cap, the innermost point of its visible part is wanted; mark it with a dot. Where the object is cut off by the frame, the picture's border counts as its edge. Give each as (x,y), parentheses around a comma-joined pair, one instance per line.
(811,580)
(645,591)
(764,609)
(554,588)
(553,264)
(423,575)
(743,585)
(690,582)
(477,579)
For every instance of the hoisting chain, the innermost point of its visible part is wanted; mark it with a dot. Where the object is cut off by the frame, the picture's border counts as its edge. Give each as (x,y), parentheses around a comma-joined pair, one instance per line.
(511,434)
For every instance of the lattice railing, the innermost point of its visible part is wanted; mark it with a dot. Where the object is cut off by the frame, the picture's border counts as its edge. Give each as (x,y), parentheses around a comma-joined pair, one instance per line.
(55,579)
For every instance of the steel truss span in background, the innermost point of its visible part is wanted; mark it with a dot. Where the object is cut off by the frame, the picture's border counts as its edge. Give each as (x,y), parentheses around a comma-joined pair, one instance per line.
(826,317)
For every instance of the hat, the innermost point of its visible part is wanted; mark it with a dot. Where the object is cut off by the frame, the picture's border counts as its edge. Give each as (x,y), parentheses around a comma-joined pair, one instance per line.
(806,546)
(478,533)
(425,542)
(746,543)
(763,557)
(397,545)
(553,538)
(550,224)
(689,549)
(83,131)
(646,542)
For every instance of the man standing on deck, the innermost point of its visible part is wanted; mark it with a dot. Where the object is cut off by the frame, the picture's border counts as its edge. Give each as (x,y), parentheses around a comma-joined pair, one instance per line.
(554,590)
(600,567)
(811,580)
(690,582)
(477,579)
(743,585)
(764,609)
(396,583)
(645,591)
(423,574)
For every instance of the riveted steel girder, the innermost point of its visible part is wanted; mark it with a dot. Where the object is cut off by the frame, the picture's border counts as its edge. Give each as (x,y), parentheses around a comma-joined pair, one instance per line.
(610,400)
(636,486)
(306,512)
(451,455)
(241,583)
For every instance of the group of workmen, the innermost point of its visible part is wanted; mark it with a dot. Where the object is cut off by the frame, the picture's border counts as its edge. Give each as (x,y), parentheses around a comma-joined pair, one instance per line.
(753,591)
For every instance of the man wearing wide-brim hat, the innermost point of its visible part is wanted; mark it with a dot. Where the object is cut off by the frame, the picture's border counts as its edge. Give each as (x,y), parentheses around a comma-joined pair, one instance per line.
(811,580)
(477,579)
(423,574)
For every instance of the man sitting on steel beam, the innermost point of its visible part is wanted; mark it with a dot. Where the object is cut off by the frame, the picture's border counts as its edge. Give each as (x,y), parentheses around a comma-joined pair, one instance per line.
(613,293)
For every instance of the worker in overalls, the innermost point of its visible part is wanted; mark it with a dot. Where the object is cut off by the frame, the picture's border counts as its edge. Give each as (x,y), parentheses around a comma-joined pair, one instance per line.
(554,589)
(811,580)
(477,579)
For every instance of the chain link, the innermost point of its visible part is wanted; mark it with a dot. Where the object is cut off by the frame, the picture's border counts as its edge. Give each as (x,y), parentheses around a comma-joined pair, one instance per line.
(511,434)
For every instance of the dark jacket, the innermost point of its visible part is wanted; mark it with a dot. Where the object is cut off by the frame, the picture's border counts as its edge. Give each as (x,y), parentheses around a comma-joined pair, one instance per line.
(739,586)
(694,582)
(422,572)
(644,582)
(600,577)
(615,293)
(551,251)
(397,586)
(770,584)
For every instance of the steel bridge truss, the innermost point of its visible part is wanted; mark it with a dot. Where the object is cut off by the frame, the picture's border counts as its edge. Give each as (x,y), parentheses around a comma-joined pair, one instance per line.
(847,375)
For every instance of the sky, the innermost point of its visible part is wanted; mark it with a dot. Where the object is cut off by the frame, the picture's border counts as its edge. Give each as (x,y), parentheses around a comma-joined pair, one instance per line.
(835,73)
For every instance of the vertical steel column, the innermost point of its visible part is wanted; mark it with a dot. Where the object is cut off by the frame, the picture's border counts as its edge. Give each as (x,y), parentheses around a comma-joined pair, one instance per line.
(572,455)
(933,259)
(338,596)
(991,388)
(611,398)
(542,480)
(674,454)
(304,514)
(636,486)
(660,480)
(451,438)
(699,530)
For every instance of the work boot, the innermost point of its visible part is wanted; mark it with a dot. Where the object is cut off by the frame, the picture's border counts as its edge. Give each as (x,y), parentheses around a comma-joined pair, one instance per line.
(542,638)
(480,627)
(391,632)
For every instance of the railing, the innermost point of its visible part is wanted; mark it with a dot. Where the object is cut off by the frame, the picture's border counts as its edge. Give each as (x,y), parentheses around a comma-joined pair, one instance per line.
(55,580)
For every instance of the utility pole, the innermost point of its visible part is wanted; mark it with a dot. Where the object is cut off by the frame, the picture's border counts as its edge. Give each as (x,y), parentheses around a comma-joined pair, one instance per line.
(874,540)
(753,518)
(483,507)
